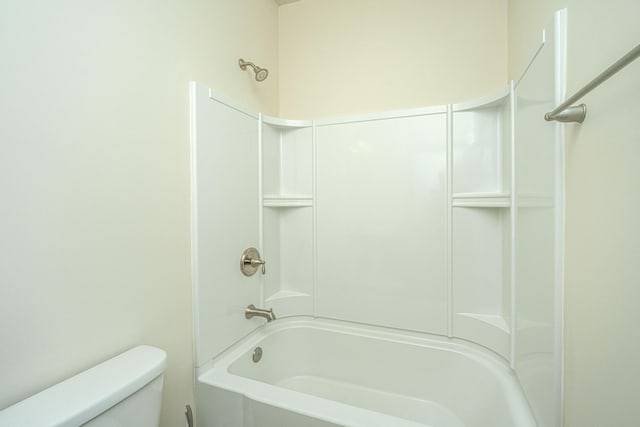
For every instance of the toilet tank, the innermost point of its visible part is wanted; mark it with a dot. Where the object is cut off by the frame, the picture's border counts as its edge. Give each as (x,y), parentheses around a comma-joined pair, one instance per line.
(123,391)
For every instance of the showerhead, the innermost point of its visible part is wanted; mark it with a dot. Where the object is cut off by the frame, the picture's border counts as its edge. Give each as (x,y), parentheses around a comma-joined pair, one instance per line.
(261,73)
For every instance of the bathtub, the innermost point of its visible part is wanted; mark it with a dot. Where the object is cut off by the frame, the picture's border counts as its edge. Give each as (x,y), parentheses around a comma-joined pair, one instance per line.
(321,373)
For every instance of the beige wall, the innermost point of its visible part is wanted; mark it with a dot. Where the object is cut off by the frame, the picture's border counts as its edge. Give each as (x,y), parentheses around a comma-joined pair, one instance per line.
(602,279)
(94,176)
(344,57)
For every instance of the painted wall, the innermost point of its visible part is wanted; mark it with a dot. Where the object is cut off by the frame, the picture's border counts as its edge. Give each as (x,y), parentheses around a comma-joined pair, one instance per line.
(339,57)
(94,176)
(602,206)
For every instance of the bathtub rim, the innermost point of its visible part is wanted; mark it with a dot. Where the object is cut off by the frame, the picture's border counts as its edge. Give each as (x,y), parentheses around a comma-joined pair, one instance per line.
(216,373)
(401,336)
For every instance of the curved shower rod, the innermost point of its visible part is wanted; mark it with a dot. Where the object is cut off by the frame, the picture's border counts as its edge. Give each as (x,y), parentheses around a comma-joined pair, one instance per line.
(566,112)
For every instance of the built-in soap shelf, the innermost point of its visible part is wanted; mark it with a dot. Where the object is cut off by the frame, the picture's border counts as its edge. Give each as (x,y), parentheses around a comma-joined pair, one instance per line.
(285,293)
(481,200)
(493,320)
(481,221)
(490,330)
(481,248)
(287,303)
(288,216)
(285,124)
(287,201)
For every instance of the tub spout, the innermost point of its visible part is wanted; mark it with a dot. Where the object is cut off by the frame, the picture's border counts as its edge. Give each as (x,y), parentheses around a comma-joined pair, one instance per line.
(252,311)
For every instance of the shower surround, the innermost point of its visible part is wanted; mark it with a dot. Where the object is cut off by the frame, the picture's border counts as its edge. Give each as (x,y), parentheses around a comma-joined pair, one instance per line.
(439,223)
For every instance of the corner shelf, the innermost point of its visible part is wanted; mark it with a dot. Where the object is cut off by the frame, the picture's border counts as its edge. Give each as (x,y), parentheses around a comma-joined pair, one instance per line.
(490,330)
(481,221)
(284,293)
(495,321)
(287,215)
(286,123)
(481,200)
(287,201)
(287,303)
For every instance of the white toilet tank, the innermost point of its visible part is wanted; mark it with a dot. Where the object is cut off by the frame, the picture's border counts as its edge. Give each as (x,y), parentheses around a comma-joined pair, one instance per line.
(125,391)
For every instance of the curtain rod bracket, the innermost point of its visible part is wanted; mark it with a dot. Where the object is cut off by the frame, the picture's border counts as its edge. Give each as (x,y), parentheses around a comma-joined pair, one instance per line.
(573,114)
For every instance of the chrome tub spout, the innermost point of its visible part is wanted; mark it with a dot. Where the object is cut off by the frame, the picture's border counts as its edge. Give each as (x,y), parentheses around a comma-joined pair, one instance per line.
(252,311)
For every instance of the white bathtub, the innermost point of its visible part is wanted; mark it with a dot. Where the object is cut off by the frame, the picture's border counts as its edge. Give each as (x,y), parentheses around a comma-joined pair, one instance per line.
(317,373)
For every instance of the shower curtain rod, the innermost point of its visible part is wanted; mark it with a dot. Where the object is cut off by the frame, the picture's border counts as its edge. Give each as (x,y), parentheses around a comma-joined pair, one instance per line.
(565,112)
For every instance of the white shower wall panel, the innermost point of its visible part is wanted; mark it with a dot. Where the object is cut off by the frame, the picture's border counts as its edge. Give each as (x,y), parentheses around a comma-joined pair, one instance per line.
(382,222)
(225,220)
(539,211)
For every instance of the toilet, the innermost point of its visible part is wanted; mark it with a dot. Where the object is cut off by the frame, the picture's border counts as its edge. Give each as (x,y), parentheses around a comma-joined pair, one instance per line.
(123,391)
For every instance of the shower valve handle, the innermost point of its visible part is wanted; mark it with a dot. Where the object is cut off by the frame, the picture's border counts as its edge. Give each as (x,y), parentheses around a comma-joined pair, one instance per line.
(256,262)
(250,261)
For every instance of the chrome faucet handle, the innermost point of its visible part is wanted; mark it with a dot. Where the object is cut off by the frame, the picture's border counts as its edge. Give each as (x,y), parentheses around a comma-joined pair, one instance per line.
(256,262)
(250,261)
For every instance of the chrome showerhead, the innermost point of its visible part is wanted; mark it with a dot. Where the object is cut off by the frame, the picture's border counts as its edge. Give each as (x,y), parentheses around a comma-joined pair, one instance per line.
(261,73)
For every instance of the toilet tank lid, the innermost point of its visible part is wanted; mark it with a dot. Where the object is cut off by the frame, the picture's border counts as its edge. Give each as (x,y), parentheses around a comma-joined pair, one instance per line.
(86,395)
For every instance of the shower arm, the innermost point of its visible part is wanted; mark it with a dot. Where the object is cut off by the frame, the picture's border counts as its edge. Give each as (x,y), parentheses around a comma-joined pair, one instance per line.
(243,65)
